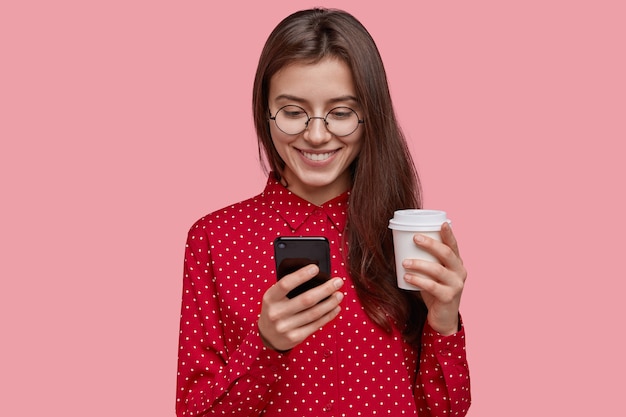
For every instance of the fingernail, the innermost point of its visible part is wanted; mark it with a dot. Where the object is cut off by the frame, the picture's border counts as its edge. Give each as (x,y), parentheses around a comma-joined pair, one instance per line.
(338,283)
(339,296)
(313,270)
(406,263)
(419,238)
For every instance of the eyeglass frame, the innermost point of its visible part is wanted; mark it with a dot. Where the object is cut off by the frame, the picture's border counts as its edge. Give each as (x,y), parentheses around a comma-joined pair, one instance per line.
(306,124)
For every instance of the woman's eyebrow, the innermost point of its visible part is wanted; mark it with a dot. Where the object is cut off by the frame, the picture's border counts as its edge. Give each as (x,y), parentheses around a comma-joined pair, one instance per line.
(289,97)
(344,98)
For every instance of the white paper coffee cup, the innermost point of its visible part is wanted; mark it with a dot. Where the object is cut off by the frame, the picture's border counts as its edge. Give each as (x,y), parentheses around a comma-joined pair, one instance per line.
(404,225)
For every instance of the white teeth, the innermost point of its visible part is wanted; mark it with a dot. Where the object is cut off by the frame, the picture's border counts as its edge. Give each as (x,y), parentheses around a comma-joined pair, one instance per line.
(317,156)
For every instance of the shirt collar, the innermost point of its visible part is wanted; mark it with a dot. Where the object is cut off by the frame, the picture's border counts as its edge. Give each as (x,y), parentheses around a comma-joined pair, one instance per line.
(295,210)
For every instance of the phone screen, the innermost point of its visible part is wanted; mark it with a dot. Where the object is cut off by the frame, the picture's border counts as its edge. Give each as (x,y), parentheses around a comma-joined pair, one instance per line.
(293,253)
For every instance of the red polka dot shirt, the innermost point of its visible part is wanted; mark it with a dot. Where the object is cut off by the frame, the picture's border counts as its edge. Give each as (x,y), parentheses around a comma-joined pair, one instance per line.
(350,367)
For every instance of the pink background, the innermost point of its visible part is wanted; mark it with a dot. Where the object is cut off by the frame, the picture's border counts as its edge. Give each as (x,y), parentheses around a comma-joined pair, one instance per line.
(122,122)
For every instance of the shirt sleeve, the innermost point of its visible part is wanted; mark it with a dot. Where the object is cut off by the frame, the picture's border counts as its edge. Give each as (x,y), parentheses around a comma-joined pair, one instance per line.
(443,383)
(213,378)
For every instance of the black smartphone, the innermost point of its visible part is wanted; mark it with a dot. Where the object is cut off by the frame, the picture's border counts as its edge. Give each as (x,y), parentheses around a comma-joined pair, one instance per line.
(294,252)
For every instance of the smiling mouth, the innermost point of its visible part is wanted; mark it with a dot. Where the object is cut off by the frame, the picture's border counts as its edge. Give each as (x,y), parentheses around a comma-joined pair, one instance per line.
(317,157)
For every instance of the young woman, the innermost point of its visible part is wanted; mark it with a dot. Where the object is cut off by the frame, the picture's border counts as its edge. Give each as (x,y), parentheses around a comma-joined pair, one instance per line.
(339,168)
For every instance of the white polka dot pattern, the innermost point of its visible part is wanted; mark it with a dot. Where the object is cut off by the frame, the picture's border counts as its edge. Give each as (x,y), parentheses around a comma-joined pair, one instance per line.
(348,368)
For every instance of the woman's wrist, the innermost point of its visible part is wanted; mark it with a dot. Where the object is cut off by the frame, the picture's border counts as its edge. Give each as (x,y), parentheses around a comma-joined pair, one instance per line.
(268,345)
(446,329)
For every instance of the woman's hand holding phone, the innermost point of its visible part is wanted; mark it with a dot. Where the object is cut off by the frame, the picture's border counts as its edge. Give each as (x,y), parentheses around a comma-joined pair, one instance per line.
(286,322)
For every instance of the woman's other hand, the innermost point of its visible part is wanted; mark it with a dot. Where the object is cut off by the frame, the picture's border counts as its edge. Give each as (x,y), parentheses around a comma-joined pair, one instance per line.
(441,284)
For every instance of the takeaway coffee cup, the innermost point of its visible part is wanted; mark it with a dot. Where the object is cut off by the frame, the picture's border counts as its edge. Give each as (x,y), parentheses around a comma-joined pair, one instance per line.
(404,225)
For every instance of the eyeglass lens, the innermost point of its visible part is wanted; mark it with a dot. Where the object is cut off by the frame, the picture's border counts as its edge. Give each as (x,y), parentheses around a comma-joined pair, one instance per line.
(340,121)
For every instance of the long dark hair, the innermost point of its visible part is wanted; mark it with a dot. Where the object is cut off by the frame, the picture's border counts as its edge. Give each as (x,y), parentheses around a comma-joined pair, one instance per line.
(383,175)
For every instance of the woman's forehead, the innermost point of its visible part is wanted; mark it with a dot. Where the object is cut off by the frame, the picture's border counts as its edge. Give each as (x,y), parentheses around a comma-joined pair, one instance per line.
(329,79)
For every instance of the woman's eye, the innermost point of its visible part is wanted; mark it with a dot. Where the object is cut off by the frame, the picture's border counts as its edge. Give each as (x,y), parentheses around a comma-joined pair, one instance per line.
(340,114)
(293,112)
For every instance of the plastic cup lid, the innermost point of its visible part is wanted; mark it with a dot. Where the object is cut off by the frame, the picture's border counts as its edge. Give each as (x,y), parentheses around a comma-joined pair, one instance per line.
(418,220)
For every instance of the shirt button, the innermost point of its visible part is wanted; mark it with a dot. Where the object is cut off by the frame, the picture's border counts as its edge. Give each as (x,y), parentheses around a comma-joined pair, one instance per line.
(317,212)
(328,353)
(327,407)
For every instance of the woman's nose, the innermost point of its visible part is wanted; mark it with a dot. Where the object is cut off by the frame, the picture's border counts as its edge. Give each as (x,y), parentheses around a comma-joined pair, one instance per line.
(316,131)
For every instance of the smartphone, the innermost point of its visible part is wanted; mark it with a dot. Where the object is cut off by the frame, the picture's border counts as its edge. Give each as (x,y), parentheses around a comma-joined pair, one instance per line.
(294,252)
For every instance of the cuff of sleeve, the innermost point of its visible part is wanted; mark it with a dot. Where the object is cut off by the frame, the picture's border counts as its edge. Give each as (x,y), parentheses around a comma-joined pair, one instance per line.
(256,360)
(445,355)
(446,348)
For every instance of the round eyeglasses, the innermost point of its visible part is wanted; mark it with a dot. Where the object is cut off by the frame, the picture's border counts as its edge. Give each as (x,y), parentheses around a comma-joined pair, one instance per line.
(293,120)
